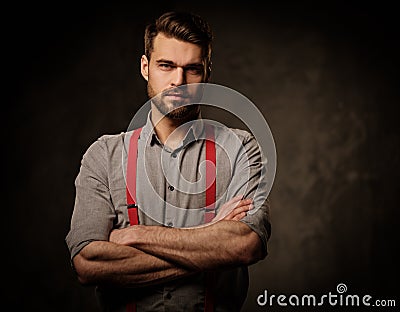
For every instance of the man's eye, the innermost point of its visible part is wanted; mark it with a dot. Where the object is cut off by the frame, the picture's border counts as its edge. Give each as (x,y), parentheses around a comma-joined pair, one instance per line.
(165,66)
(194,70)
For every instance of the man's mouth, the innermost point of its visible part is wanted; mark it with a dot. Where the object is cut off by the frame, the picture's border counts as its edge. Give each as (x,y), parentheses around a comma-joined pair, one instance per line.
(175,95)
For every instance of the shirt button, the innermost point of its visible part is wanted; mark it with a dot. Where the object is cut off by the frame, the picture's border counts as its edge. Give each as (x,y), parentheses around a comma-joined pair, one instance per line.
(171,188)
(168,295)
(169,224)
(173,155)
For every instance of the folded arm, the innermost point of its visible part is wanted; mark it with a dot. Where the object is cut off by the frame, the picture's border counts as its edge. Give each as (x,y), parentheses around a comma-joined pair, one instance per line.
(156,258)
(223,244)
(109,264)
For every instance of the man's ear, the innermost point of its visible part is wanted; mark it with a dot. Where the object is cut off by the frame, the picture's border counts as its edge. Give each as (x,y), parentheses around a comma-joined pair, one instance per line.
(144,67)
(207,73)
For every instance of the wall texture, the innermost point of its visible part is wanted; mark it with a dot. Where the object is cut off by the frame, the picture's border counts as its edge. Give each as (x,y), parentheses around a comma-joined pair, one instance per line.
(326,80)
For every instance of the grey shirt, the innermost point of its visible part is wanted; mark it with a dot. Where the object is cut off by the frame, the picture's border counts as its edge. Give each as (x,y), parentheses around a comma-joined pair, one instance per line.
(170,192)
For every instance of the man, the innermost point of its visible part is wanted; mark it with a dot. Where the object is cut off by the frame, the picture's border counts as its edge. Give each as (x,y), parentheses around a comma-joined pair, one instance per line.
(165,262)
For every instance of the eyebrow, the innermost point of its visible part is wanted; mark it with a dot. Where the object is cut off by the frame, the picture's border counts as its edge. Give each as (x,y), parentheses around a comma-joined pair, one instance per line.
(172,63)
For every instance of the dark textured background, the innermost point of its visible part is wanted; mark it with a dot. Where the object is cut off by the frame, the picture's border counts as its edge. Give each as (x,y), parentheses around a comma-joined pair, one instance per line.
(325,78)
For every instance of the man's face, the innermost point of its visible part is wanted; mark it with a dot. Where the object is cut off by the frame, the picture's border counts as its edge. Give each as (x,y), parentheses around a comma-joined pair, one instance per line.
(173,65)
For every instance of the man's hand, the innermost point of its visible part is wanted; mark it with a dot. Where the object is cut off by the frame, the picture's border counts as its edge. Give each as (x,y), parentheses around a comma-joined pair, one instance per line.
(124,236)
(234,209)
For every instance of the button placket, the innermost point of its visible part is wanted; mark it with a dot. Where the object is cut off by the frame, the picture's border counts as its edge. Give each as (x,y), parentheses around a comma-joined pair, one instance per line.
(172,179)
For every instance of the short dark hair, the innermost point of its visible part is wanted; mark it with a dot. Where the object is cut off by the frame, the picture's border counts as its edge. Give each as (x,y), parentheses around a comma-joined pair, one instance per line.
(183,26)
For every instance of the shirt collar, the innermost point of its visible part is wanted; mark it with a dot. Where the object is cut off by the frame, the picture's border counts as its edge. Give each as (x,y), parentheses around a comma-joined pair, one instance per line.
(194,133)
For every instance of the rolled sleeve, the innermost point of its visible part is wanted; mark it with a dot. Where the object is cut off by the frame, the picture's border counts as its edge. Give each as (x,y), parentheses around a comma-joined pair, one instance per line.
(249,179)
(259,222)
(93,214)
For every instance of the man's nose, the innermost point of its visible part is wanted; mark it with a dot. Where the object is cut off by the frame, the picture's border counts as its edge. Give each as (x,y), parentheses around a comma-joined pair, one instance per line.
(179,77)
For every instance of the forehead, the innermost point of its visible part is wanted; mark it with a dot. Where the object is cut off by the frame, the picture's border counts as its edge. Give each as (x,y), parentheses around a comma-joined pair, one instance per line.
(177,51)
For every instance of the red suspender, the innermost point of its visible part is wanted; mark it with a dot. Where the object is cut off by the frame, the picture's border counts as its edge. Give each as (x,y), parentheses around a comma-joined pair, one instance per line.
(210,174)
(210,197)
(133,213)
(131,178)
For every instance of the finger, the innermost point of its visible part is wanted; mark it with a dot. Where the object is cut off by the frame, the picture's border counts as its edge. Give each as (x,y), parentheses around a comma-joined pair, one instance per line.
(227,208)
(112,237)
(238,204)
(231,203)
(239,216)
(237,211)
(234,200)
(240,209)
(243,202)
(246,201)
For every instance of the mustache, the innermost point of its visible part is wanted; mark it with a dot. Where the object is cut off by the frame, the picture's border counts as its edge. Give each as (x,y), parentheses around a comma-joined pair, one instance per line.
(176,92)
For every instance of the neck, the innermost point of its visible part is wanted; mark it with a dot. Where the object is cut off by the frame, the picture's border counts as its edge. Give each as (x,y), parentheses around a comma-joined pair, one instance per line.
(165,126)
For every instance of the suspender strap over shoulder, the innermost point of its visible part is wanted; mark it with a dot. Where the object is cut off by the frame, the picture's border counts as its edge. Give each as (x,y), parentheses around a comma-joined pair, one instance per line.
(131,178)
(210,174)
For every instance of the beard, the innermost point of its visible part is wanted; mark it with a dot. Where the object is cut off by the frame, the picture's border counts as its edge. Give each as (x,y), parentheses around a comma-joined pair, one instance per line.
(182,111)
